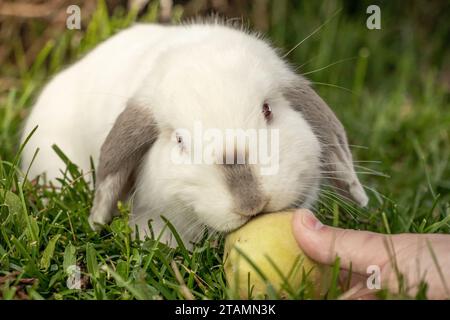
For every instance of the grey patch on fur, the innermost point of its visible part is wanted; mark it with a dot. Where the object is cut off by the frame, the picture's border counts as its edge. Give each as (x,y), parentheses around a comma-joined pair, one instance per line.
(332,137)
(131,136)
(244,188)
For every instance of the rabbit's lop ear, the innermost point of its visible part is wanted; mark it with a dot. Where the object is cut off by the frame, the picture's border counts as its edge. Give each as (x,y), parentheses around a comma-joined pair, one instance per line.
(337,162)
(131,136)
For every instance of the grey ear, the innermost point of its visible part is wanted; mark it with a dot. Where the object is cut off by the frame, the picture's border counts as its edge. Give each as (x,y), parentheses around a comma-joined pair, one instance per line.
(337,162)
(131,136)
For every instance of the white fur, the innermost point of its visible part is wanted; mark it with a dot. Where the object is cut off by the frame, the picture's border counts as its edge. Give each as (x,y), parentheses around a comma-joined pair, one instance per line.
(183,74)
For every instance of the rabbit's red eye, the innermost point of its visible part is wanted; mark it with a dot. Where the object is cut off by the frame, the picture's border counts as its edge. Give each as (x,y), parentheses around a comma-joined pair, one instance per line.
(267,111)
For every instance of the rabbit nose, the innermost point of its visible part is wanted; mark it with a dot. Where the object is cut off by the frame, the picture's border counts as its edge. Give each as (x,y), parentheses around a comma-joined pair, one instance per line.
(245,189)
(251,206)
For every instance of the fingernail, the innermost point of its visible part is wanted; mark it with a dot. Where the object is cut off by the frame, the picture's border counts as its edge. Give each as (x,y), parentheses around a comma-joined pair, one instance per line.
(310,221)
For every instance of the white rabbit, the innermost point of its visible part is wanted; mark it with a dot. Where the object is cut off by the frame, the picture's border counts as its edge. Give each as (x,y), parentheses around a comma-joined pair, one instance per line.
(126,103)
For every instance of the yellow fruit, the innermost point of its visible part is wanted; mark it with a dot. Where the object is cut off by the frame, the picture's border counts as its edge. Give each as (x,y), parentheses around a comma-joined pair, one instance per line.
(267,240)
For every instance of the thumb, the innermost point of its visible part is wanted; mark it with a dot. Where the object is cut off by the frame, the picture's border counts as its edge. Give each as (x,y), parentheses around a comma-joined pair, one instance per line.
(323,244)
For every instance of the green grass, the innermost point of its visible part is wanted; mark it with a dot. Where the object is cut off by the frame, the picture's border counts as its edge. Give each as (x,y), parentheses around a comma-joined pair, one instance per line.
(383,84)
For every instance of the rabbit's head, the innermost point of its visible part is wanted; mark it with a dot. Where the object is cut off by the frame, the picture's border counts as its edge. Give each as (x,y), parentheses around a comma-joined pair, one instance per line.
(221,131)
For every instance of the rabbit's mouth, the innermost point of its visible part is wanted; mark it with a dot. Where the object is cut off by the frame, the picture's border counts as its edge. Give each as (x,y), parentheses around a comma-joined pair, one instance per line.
(235,222)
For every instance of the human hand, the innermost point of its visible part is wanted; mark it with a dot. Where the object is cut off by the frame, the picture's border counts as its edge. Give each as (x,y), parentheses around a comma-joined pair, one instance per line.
(418,257)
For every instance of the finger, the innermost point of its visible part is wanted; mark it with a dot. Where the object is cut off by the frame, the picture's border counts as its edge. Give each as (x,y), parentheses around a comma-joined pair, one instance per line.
(323,244)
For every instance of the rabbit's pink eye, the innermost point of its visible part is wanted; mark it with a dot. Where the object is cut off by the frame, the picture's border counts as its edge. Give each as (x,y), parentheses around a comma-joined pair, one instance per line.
(179,139)
(267,111)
